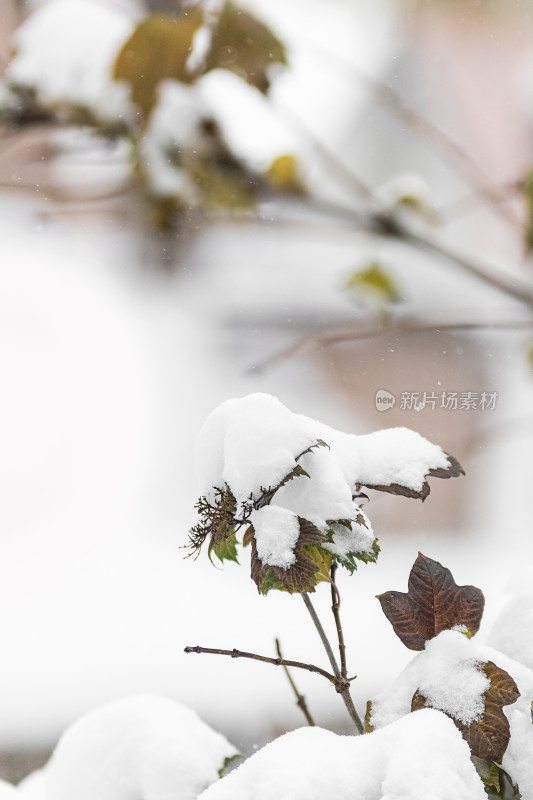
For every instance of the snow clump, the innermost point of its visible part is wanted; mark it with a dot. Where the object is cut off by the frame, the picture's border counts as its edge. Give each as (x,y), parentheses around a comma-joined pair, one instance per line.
(419,757)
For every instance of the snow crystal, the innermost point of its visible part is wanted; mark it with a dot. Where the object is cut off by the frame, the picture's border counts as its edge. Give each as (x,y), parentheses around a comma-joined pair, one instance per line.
(421,756)
(447,674)
(66,49)
(147,747)
(276,533)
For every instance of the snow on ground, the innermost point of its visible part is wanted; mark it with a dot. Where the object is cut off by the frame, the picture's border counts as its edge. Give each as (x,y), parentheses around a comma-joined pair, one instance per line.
(140,747)
(312,763)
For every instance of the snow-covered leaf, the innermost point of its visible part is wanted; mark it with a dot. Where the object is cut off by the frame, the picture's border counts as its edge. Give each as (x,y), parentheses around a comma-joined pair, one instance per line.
(245,46)
(301,576)
(433,603)
(157,49)
(487,736)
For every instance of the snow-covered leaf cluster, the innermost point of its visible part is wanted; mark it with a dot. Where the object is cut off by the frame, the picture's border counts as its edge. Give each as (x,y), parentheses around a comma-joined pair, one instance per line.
(144,79)
(294,484)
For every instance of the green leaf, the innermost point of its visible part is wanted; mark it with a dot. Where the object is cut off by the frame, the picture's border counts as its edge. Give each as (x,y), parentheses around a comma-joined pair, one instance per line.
(227,761)
(158,48)
(349,561)
(323,561)
(489,773)
(244,45)
(271,582)
(374,283)
(225,550)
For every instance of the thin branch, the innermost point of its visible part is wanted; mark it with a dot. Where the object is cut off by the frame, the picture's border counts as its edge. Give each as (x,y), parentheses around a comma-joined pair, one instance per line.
(455,154)
(310,344)
(456,209)
(335,607)
(342,683)
(278,662)
(300,699)
(387,224)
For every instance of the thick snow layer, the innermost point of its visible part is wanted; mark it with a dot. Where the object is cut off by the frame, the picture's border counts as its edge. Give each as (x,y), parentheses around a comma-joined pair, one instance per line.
(8,792)
(446,673)
(141,747)
(253,443)
(249,443)
(66,50)
(422,756)
(33,787)
(276,533)
(511,632)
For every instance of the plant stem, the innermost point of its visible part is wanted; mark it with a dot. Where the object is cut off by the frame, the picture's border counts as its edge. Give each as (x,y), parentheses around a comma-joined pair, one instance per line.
(335,606)
(279,662)
(342,684)
(300,699)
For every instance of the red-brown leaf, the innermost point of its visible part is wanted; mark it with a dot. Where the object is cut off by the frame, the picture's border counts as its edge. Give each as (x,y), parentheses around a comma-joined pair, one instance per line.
(433,603)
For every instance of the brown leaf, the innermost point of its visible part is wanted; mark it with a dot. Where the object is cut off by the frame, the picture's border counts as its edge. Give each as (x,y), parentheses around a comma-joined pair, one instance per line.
(158,48)
(487,737)
(433,603)
(299,577)
(244,46)
(453,471)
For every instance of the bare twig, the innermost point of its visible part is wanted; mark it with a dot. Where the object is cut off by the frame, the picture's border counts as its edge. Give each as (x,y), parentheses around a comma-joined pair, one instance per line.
(342,683)
(385,223)
(300,699)
(438,139)
(310,344)
(335,607)
(278,662)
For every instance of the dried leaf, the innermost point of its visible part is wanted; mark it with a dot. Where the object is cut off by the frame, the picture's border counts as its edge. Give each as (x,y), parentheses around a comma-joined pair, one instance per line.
(367,726)
(453,471)
(299,577)
(244,46)
(433,603)
(158,48)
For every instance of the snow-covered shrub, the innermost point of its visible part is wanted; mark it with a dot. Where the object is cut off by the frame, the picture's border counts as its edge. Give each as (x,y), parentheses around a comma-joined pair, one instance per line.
(293,488)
